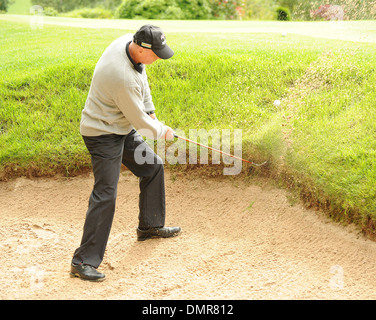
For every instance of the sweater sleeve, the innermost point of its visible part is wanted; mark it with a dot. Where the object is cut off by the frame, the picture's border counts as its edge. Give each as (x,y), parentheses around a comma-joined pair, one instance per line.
(148,101)
(130,101)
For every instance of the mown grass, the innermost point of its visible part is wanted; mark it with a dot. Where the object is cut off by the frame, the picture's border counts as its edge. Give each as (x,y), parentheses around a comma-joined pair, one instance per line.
(46,80)
(321,140)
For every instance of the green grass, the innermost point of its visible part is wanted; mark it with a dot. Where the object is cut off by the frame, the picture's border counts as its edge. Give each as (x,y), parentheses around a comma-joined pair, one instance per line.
(332,131)
(320,141)
(20,7)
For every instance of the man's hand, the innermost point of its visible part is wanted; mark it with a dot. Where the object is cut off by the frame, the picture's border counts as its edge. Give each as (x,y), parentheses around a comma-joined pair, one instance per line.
(169,134)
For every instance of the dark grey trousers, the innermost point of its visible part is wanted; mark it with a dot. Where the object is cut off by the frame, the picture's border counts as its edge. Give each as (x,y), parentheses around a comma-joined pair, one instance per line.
(108,152)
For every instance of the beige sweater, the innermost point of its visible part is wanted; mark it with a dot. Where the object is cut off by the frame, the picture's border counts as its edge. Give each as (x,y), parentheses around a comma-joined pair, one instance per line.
(119,97)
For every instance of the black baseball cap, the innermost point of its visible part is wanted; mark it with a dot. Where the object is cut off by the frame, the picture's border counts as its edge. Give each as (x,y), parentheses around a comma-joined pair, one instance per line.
(152,37)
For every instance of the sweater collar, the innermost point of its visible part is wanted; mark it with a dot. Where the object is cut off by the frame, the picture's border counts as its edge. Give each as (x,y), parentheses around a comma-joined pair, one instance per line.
(138,66)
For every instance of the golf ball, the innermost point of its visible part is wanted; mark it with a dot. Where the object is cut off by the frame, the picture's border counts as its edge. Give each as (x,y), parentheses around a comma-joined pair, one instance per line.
(277,103)
(284,34)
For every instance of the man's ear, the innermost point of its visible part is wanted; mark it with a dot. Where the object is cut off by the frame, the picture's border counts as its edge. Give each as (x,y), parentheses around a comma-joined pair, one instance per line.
(140,50)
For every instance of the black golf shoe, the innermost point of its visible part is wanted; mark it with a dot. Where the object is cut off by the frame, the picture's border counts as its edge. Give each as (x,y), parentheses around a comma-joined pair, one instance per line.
(86,272)
(164,232)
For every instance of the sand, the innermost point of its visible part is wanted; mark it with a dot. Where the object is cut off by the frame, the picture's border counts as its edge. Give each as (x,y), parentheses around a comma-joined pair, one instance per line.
(241,239)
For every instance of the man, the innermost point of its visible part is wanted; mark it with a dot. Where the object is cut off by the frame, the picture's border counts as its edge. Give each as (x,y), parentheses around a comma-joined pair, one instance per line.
(119,103)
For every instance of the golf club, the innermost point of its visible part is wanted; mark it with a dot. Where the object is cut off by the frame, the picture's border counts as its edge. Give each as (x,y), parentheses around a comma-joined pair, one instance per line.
(227,154)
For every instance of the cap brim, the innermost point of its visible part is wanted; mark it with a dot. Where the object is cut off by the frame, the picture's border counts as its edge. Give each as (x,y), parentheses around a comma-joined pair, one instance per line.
(165,53)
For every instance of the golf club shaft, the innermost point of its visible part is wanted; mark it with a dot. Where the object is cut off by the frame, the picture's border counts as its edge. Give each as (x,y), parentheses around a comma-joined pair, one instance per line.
(202,145)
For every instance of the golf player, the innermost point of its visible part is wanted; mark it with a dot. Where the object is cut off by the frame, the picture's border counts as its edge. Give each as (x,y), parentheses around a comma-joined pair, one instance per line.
(118,111)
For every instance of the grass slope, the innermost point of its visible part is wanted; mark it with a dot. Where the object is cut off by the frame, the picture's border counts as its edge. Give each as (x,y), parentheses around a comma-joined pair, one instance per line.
(321,140)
